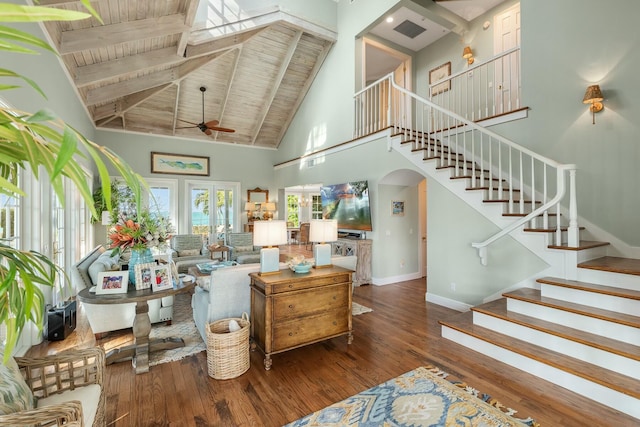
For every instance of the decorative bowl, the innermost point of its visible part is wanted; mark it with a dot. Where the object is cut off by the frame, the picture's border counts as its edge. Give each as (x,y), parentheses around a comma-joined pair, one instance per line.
(303,267)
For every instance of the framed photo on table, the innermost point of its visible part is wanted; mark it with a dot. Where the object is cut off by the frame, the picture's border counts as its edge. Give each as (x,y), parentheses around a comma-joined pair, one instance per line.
(144,275)
(161,279)
(112,282)
(438,74)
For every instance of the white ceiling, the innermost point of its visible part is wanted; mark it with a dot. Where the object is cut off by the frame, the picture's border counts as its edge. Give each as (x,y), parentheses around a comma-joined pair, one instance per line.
(432,33)
(469,9)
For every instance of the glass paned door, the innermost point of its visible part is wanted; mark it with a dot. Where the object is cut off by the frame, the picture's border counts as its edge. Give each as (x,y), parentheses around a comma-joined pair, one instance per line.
(213,211)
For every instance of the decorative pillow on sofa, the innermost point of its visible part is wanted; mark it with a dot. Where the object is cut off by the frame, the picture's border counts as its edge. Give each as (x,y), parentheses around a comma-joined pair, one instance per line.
(189,252)
(248,248)
(105,262)
(15,394)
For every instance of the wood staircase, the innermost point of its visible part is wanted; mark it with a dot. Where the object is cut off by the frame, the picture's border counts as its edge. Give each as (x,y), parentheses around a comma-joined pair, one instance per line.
(583,334)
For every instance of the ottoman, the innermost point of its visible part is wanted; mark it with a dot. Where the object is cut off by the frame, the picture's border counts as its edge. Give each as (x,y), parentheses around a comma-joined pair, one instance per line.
(248,259)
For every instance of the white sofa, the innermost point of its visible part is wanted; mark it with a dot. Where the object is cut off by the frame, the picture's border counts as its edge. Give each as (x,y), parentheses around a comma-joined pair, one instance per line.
(229,292)
(111,317)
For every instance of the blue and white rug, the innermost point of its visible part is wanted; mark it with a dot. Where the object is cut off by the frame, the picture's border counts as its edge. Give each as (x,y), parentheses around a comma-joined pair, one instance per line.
(421,397)
(182,326)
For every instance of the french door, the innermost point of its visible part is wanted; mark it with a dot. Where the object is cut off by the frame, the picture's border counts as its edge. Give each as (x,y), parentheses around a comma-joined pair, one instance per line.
(213,210)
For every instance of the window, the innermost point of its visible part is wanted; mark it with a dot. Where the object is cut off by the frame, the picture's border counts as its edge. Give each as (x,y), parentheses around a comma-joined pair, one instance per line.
(10,217)
(213,223)
(163,198)
(316,207)
(293,215)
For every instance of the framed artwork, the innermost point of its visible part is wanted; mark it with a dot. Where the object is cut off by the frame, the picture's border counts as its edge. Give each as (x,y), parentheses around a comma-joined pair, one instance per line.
(397,208)
(161,279)
(177,164)
(112,282)
(437,74)
(144,275)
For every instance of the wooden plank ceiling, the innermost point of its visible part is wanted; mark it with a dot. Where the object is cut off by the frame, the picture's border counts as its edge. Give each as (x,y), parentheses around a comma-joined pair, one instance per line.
(142,70)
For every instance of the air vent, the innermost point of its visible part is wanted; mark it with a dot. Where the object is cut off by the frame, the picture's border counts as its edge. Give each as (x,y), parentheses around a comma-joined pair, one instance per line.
(410,29)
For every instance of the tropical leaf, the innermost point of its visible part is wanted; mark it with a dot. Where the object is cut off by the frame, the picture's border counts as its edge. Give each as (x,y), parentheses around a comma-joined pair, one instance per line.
(18,13)
(24,38)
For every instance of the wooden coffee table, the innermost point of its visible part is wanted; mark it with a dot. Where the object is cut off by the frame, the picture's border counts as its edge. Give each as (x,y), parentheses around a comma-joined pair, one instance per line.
(139,351)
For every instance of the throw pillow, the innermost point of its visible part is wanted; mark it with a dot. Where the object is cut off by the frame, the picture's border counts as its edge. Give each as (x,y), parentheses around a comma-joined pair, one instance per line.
(15,394)
(189,252)
(96,268)
(244,248)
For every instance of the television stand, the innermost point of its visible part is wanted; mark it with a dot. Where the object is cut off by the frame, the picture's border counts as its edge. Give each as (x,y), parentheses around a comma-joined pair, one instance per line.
(361,248)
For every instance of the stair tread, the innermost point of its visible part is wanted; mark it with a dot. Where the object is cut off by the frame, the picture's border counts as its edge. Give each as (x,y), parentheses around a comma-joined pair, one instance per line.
(463,322)
(592,287)
(498,308)
(582,245)
(534,296)
(613,264)
(549,230)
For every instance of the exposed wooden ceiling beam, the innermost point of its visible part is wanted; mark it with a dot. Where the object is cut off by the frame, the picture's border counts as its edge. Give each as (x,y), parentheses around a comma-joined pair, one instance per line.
(275,86)
(222,43)
(303,92)
(124,88)
(190,15)
(108,112)
(232,76)
(101,36)
(101,71)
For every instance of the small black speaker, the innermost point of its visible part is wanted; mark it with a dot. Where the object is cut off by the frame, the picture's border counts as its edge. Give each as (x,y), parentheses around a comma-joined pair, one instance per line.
(61,321)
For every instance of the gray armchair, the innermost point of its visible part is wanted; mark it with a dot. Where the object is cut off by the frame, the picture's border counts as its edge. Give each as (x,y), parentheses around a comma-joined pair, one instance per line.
(188,250)
(241,244)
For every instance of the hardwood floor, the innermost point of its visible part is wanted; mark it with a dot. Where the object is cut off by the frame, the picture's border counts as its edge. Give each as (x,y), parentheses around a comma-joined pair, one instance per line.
(400,334)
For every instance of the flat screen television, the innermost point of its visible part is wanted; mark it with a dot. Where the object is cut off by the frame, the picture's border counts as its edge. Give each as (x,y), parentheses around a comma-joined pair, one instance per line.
(349,204)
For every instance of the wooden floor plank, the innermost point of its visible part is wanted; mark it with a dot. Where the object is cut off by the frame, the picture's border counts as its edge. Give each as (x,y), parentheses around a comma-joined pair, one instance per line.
(400,334)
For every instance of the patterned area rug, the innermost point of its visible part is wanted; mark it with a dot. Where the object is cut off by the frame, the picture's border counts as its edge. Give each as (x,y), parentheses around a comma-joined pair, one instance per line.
(182,326)
(421,397)
(359,309)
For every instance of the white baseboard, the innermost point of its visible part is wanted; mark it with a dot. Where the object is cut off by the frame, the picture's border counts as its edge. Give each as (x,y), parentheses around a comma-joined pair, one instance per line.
(395,279)
(446,302)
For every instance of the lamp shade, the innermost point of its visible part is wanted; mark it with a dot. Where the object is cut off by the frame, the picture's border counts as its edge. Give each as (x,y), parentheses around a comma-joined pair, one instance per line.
(269,206)
(593,94)
(270,233)
(323,230)
(249,206)
(466,53)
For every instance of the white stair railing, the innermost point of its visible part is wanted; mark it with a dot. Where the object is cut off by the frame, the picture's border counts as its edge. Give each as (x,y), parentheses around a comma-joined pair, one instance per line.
(483,90)
(489,161)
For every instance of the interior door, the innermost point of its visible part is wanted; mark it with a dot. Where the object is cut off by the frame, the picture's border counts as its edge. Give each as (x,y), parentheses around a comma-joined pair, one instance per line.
(506,35)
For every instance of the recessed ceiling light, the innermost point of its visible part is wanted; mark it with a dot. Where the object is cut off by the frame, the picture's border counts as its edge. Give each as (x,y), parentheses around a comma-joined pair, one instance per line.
(390,19)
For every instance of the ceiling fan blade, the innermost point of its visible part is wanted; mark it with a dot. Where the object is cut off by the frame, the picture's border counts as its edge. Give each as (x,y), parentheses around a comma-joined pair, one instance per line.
(212,123)
(219,129)
(208,131)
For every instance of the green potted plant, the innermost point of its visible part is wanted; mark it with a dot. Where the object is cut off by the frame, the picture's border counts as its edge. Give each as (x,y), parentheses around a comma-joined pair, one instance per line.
(41,140)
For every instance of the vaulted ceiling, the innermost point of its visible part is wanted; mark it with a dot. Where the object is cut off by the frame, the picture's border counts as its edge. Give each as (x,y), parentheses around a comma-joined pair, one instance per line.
(142,70)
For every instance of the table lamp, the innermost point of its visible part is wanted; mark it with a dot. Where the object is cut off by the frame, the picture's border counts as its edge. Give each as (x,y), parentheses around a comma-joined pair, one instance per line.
(269,209)
(249,207)
(269,234)
(323,231)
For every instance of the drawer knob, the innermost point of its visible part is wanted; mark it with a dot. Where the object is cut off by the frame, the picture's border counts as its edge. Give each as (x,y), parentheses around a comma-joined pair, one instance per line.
(290,286)
(291,306)
(290,334)
(335,323)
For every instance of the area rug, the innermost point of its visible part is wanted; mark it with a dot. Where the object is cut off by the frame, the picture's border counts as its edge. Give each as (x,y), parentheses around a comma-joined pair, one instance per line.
(421,397)
(182,326)
(359,309)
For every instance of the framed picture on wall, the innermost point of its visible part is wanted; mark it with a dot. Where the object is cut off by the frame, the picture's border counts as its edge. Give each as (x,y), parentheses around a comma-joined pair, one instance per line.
(177,164)
(438,74)
(397,208)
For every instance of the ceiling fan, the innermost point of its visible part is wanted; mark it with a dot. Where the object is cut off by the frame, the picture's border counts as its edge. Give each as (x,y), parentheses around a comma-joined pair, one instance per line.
(207,127)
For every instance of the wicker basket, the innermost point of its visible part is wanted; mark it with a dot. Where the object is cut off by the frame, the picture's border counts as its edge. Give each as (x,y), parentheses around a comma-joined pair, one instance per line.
(228,352)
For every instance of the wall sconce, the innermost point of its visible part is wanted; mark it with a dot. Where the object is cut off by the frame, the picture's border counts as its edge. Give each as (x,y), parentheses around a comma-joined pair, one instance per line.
(270,234)
(593,96)
(323,231)
(468,55)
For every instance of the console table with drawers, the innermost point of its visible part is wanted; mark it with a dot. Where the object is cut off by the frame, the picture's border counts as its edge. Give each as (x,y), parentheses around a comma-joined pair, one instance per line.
(291,310)
(361,248)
